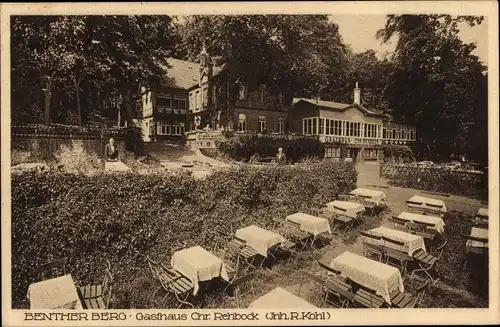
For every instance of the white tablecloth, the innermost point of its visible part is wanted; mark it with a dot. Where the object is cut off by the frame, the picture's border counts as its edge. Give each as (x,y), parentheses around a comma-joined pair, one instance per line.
(411,242)
(381,278)
(438,222)
(259,239)
(280,298)
(374,196)
(426,203)
(350,209)
(312,224)
(198,264)
(483,212)
(480,233)
(53,293)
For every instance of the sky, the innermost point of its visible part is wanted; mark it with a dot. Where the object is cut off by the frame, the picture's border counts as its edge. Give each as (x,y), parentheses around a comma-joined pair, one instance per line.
(358,31)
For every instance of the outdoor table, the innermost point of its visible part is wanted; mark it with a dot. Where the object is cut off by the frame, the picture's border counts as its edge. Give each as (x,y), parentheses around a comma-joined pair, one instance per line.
(482,213)
(280,298)
(350,209)
(421,202)
(411,242)
(311,224)
(479,233)
(414,217)
(259,239)
(54,293)
(374,196)
(198,264)
(379,277)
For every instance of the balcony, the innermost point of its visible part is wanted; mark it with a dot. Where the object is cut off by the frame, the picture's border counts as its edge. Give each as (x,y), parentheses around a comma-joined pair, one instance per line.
(361,140)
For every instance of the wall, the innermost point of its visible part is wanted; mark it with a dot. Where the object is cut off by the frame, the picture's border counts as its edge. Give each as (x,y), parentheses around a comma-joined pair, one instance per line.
(74,154)
(253,118)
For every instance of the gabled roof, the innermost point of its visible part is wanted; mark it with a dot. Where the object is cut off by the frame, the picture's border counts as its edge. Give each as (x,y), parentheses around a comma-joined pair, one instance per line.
(184,74)
(337,106)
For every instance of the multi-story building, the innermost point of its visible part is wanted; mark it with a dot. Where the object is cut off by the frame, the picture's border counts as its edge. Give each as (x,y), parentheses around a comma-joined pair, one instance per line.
(197,95)
(348,130)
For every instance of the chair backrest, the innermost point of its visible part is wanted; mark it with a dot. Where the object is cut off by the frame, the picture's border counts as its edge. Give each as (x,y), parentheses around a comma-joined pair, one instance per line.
(395,242)
(398,220)
(339,209)
(371,236)
(408,202)
(293,224)
(328,268)
(236,238)
(437,206)
(243,279)
(474,238)
(54,268)
(312,277)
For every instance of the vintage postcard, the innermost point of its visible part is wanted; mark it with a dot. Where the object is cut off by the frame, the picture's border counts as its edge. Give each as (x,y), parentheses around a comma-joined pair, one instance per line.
(260,163)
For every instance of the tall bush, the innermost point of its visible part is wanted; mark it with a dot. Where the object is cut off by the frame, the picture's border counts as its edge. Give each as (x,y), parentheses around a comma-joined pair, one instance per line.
(398,153)
(111,216)
(243,147)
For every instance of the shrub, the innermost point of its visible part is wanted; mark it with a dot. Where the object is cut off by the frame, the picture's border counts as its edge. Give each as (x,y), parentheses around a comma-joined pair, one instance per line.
(111,216)
(134,141)
(242,147)
(437,180)
(400,153)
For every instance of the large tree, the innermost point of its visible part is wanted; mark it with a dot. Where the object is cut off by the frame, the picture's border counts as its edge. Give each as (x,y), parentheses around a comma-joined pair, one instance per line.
(436,81)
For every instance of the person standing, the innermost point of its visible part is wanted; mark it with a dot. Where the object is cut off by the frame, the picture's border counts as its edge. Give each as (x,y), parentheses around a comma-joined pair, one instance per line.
(111,151)
(280,157)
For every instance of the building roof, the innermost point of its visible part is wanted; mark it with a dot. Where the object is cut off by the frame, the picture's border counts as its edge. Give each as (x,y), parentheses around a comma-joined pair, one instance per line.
(337,106)
(184,74)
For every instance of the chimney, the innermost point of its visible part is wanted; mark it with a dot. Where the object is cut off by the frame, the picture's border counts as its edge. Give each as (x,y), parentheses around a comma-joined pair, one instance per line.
(357,94)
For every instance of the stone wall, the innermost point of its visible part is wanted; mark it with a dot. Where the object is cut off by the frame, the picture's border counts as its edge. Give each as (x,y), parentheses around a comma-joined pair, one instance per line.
(72,154)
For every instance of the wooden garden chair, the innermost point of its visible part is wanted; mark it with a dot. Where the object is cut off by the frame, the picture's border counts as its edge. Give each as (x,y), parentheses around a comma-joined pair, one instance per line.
(408,301)
(331,272)
(53,269)
(98,296)
(230,257)
(475,251)
(480,223)
(292,231)
(399,224)
(330,287)
(172,282)
(235,223)
(396,257)
(370,249)
(242,286)
(248,254)
(427,261)
(368,299)
(346,221)
(370,207)
(421,229)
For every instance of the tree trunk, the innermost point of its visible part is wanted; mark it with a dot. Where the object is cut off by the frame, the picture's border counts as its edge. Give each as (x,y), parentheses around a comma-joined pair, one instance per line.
(127,102)
(79,110)
(47,107)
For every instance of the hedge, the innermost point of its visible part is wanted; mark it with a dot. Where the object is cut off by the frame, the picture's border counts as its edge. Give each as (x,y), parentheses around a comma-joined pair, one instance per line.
(111,216)
(243,147)
(437,180)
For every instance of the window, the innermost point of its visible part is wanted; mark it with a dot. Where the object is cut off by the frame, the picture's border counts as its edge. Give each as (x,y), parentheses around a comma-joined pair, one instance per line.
(179,102)
(198,100)
(370,153)
(164,99)
(151,129)
(242,122)
(262,93)
(177,128)
(310,126)
(243,92)
(348,129)
(332,152)
(336,127)
(205,96)
(327,126)
(281,126)
(262,123)
(191,101)
(281,98)
(412,135)
(321,126)
(163,128)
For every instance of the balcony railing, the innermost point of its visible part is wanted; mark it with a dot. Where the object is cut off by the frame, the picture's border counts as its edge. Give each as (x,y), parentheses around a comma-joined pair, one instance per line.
(361,140)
